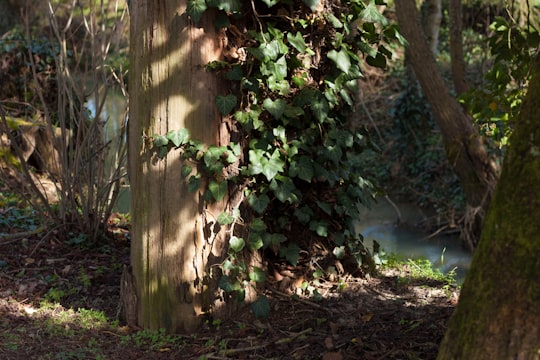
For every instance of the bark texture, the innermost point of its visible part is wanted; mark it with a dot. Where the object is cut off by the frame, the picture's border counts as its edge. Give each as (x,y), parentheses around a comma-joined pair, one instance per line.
(498,315)
(465,148)
(456,47)
(431,21)
(174,245)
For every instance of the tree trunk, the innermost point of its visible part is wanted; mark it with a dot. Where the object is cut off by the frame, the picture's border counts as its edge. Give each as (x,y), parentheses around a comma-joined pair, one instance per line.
(498,315)
(8,16)
(465,148)
(173,243)
(456,47)
(431,21)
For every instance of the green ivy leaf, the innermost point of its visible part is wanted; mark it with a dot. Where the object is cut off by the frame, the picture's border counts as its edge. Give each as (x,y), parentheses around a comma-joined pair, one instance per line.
(255,241)
(339,252)
(372,14)
(297,41)
(336,23)
(258,225)
(284,190)
(341,59)
(312,4)
(273,166)
(225,218)
(256,161)
(275,108)
(270,3)
(186,171)
(302,168)
(225,284)
(194,183)
(378,61)
(320,227)
(236,243)
(320,107)
(303,214)
(160,140)
(324,206)
(178,137)
(257,275)
(258,203)
(261,307)
(235,73)
(195,9)
(218,189)
(226,104)
(291,253)
(163,151)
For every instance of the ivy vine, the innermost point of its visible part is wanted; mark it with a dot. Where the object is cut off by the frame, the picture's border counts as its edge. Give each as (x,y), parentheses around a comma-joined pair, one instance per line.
(296,67)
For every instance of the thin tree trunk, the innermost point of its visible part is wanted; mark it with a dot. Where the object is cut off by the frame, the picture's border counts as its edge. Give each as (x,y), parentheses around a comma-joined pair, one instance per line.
(174,247)
(498,315)
(464,146)
(431,21)
(456,47)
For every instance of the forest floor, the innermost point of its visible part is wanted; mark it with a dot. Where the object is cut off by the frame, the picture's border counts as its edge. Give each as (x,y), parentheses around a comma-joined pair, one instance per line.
(60,300)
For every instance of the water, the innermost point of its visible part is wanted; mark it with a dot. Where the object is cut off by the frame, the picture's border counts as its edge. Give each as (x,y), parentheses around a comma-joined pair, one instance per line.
(444,252)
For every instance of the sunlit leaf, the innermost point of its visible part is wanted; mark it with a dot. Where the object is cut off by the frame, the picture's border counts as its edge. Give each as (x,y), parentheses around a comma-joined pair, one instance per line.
(236,243)
(178,137)
(160,140)
(195,9)
(372,14)
(218,189)
(257,275)
(341,59)
(339,252)
(297,41)
(225,218)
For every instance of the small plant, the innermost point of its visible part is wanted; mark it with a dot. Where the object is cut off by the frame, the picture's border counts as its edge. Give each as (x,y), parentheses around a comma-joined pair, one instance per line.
(55,295)
(154,340)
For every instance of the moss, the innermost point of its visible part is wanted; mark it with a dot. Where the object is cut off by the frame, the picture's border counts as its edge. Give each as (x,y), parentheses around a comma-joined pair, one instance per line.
(499,307)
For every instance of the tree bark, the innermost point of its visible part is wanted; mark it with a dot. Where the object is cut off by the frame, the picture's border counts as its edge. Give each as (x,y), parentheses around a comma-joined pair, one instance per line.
(174,245)
(465,148)
(456,47)
(431,21)
(498,315)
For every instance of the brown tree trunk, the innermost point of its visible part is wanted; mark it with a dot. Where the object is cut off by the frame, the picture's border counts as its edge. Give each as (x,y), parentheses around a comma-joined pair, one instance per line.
(8,16)
(498,315)
(431,23)
(456,47)
(174,249)
(464,147)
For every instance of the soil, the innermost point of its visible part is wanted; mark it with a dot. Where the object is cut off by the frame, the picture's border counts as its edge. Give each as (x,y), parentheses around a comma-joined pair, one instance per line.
(54,296)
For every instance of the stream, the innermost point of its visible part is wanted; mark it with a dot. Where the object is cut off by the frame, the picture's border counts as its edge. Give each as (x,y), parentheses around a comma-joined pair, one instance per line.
(445,252)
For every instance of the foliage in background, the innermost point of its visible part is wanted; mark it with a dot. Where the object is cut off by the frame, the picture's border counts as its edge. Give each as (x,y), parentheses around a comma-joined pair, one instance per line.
(499,98)
(294,70)
(48,86)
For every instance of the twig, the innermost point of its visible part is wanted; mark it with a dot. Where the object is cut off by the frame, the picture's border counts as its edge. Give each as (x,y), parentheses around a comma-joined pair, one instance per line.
(305,302)
(16,236)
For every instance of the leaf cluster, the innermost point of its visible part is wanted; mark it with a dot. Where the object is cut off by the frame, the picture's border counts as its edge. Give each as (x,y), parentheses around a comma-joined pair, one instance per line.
(499,100)
(296,67)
